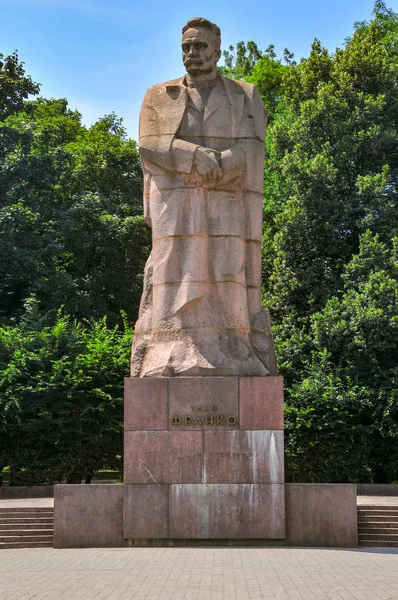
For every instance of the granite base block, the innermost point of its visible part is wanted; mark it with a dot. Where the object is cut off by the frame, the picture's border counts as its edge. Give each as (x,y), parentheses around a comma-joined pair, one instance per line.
(243,457)
(217,455)
(88,516)
(145,511)
(145,404)
(204,403)
(317,515)
(261,403)
(193,403)
(163,457)
(226,511)
(321,514)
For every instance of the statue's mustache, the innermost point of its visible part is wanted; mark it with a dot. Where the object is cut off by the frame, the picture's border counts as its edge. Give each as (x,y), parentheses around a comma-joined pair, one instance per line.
(193,61)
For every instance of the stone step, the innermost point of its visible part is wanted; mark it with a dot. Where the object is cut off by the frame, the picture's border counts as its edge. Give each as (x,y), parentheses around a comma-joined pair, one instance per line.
(377,544)
(378,507)
(378,518)
(30,544)
(372,535)
(26,527)
(6,539)
(377,524)
(25,532)
(377,513)
(24,509)
(11,520)
(19,525)
(20,511)
(368,533)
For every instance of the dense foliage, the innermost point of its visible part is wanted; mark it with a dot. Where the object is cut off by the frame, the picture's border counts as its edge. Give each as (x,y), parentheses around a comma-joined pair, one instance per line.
(61,390)
(73,245)
(71,230)
(330,248)
(72,238)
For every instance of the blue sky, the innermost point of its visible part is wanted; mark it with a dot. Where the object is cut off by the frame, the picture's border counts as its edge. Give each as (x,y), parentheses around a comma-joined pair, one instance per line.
(102,55)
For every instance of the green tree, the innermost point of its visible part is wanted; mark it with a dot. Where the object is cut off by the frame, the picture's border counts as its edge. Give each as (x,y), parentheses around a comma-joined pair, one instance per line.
(15,85)
(331,174)
(61,397)
(329,265)
(263,69)
(71,229)
(71,236)
(342,418)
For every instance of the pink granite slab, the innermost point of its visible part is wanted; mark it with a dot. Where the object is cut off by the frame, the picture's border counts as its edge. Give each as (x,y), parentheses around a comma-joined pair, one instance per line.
(197,403)
(145,404)
(261,402)
(227,511)
(145,511)
(322,514)
(88,516)
(243,456)
(163,456)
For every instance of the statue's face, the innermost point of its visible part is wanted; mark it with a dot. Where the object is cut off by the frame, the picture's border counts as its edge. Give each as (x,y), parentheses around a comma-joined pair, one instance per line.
(199,53)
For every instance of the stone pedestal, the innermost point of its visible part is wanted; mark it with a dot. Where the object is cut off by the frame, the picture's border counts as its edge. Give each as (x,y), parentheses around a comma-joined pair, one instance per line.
(203,458)
(204,464)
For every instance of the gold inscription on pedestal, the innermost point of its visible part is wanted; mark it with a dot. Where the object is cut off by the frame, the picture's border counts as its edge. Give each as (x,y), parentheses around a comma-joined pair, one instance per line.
(204,419)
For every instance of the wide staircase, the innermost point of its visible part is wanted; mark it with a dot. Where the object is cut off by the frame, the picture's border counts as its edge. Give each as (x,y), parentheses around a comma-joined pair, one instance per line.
(26,527)
(378,525)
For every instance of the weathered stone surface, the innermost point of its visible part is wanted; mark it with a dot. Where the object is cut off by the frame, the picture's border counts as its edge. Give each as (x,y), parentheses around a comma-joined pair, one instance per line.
(319,514)
(88,516)
(212,400)
(145,404)
(261,402)
(145,511)
(163,456)
(227,511)
(202,149)
(243,457)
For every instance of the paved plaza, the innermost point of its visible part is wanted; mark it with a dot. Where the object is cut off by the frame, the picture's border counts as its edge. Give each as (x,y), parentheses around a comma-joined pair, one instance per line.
(199,573)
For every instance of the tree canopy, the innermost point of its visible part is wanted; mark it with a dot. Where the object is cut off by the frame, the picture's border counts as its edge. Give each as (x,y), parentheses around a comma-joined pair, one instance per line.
(73,245)
(330,248)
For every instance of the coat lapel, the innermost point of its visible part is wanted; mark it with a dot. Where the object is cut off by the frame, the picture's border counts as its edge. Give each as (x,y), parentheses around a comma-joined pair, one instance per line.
(175,102)
(237,100)
(213,102)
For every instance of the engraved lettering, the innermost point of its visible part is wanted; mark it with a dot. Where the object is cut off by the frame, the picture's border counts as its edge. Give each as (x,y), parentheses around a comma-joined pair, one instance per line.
(209,421)
(214,408)
(231,420)
(176,420)
(220,420)
(198,421)
(188,420)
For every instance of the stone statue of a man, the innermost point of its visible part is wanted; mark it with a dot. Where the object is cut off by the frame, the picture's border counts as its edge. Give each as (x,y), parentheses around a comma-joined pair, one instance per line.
(202,149)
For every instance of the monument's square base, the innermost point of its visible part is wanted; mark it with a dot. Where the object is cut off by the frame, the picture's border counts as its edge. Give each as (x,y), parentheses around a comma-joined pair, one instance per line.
(91,516)
(203,458)
(204,466)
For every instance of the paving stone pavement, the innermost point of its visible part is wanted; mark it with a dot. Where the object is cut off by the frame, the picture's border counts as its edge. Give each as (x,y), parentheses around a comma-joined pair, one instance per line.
(199,573)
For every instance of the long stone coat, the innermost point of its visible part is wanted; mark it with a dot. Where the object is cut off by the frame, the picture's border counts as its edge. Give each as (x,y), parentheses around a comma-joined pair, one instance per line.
(201,310)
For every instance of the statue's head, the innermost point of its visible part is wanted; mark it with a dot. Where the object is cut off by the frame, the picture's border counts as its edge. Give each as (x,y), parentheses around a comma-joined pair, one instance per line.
(201,46)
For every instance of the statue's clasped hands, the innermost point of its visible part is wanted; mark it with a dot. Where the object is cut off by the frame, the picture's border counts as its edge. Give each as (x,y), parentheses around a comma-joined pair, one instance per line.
(206,166)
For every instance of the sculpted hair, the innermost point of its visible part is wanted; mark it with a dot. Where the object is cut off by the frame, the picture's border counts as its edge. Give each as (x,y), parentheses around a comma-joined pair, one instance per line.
(201,22)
